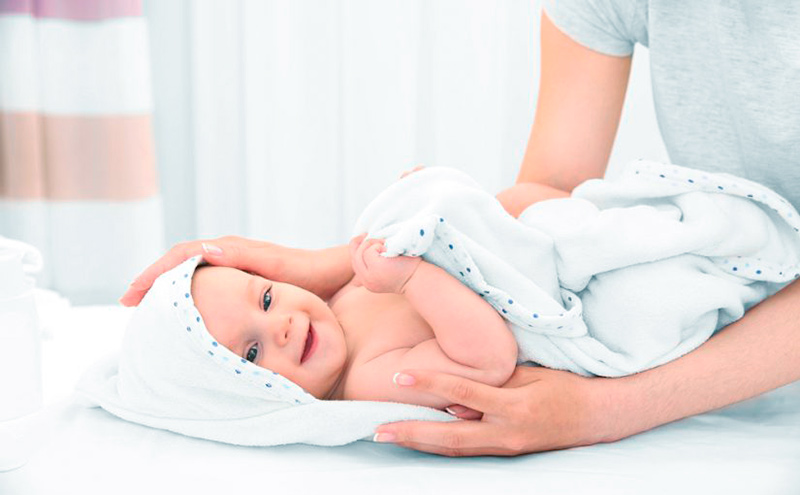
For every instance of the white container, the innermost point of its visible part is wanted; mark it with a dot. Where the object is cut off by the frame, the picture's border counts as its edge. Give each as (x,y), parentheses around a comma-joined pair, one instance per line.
(20,355)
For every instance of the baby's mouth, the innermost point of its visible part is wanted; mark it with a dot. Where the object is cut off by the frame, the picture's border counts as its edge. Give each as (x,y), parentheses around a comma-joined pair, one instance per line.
(310,345)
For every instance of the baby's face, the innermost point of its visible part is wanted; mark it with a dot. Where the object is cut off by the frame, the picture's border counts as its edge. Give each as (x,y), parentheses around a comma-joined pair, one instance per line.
(277,326)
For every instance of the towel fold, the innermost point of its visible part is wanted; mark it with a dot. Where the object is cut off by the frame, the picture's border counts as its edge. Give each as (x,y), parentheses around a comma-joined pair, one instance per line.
(626,274)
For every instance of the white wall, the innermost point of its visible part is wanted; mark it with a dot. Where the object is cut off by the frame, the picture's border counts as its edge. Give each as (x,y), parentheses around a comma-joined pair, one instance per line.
(281,120)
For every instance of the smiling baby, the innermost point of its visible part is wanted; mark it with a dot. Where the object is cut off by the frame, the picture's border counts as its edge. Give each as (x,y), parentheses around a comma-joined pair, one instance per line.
(395,313)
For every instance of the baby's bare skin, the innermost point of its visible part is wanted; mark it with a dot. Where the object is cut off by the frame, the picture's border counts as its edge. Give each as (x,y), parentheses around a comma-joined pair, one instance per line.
(400,313)
(374,324)
(395,313)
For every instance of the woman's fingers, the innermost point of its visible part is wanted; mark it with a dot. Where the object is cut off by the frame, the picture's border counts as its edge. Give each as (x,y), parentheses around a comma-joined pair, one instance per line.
(144,281)
(212,251)
(457,390)
(454,439)
(463,412)
(409,172)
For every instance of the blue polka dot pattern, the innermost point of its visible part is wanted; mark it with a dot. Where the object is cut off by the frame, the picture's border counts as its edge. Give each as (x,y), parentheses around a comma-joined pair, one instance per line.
(693,180)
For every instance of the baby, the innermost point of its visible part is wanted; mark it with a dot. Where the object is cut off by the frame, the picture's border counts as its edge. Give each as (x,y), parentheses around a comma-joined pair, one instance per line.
(395,313)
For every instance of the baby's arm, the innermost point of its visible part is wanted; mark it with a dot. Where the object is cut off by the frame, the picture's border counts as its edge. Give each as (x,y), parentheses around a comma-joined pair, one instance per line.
(472,339)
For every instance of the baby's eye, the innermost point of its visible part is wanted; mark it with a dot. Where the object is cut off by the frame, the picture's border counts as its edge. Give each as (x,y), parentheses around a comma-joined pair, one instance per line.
(252,353)
(267,299)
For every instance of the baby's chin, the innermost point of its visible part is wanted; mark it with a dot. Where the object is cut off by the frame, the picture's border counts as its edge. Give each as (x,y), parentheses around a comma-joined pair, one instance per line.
(332,391)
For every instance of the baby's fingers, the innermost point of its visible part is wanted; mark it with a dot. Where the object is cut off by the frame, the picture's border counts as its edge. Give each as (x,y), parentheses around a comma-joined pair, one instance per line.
(355,242)
(370,247)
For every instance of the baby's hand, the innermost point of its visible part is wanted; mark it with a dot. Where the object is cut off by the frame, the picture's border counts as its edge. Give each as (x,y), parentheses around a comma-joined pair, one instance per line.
(377,273)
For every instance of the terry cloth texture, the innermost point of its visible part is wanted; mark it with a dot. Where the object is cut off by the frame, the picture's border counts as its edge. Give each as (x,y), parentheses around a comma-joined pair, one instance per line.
(625,275)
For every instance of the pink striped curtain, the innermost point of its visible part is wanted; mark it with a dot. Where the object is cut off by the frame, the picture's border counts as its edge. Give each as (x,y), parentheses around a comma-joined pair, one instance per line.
(77,170)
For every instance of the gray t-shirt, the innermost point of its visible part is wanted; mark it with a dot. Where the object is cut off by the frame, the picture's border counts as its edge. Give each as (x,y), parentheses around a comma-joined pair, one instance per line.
(725,75)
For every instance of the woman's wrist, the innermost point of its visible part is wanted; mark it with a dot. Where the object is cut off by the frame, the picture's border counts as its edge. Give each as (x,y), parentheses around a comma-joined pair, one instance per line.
(613,415)
(333,270)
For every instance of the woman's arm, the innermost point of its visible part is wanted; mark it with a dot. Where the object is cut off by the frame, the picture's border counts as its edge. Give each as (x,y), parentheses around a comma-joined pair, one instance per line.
(322,272)
(581,93)
(753,355)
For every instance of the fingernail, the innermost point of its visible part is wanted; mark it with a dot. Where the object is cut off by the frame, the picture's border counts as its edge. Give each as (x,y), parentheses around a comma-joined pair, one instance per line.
(455,410)
(211,249)
(403,379)
(384,437)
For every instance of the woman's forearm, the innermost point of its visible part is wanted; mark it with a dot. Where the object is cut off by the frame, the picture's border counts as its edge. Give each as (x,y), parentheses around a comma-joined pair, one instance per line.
(754,355)
(321,271)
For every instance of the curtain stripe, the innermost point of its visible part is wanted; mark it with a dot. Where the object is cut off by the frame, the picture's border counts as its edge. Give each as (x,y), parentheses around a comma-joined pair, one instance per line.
(83,10)
(76,157)
(57,66)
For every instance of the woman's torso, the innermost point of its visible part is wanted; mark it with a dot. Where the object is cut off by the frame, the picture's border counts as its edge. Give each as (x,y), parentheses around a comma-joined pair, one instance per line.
(725,78)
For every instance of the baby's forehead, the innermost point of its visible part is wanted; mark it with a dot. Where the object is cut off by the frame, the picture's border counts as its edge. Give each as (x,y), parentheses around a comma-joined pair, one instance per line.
(215,289)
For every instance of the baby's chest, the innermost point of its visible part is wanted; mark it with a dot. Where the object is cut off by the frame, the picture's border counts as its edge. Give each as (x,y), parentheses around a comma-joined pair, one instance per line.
(379,323)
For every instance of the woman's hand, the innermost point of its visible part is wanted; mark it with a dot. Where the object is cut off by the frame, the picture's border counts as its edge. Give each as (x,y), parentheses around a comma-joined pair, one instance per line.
(537,409)
(231,251)
(409,172)
(378,273)
(322,272)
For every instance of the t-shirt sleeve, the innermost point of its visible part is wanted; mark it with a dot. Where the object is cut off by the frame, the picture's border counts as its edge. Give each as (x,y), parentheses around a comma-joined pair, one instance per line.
(612,27)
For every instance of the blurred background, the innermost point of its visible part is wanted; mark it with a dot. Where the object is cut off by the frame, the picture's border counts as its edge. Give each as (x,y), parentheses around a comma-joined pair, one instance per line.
(127,126)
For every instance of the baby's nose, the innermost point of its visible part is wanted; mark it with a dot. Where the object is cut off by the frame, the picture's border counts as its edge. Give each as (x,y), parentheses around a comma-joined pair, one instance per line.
(283,329)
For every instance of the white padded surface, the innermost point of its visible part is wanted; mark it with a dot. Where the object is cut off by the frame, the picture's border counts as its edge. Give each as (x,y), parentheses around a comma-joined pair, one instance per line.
(751,447)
